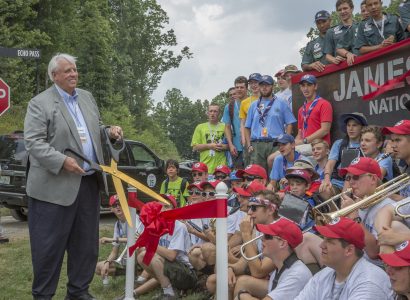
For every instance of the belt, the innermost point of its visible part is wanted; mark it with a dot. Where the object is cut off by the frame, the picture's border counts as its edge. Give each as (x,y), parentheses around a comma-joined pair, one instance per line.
(263,140)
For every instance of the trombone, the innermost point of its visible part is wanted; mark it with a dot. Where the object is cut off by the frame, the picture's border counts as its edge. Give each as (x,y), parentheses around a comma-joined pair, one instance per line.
(382,192)
(247,243)
(119,259)
(397,209)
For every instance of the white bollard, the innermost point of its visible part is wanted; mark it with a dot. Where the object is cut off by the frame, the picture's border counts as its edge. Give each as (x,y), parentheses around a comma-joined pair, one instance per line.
(130,267)
(221,248)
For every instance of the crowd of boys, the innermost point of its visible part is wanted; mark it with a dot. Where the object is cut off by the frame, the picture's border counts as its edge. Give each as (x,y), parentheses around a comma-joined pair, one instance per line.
(276,180)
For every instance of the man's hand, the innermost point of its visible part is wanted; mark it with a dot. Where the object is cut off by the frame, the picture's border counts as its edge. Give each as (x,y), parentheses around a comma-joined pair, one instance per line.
(326,185)
(390,237)
(231,278)
(236,251)
(105,240)
(220,147)
(105,268)
(70,165)
(337,60)
(317,66)
(350,58)
(233,150)
(115,132)
(246,226)
(347,201)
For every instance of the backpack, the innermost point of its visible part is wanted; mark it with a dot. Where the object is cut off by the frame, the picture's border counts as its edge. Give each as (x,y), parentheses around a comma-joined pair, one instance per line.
(343,146)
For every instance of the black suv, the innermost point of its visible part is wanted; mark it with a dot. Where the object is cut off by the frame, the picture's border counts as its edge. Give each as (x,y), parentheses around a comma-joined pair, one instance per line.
(136,160)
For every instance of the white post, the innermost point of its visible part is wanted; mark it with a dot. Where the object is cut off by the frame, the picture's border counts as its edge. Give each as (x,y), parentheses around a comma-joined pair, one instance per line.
(130,267)
(221,248)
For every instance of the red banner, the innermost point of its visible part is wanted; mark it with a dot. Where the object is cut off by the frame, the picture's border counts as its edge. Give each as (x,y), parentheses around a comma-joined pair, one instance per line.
(158,223)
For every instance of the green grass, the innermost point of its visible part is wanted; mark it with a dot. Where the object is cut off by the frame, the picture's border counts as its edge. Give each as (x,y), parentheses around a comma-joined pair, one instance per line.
(16,275)
(4,211)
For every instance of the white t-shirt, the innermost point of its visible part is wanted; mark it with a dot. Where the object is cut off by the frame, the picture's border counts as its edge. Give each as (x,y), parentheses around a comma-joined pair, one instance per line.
(368,215)
(179,241)
(405,209)
(365,282)
(200,223)
(290,283)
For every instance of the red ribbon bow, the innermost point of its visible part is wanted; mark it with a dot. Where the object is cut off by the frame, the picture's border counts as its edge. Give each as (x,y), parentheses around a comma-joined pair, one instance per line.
(158,223)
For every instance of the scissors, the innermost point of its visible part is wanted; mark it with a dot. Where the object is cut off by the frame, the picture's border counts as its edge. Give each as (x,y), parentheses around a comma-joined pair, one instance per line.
(118,176)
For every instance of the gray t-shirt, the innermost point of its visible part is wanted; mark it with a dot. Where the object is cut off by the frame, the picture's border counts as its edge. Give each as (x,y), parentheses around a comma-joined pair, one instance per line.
(290,283)
(365,282)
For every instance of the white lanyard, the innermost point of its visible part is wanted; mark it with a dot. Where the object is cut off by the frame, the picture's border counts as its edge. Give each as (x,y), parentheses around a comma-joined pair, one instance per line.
(212,133)
(381,30)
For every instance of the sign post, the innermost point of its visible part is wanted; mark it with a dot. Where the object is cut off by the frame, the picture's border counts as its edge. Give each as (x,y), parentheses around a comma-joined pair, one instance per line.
(4,97)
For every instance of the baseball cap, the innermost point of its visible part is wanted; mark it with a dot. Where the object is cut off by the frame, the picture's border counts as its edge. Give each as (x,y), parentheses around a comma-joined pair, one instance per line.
(402,127)
(399,258)
(113,199)
(212,182)
(233,177)
(255,170)
(291,69)
(280,73)
(362,165)
(322,15)
(249,189)
(358,117)
(196,184)
(343,228)
(255,76)
(170,198)
(284,139)
(266,79)
(222,168)
(304,164)
(303,174)
(285,229)
(200,167)
(308,78)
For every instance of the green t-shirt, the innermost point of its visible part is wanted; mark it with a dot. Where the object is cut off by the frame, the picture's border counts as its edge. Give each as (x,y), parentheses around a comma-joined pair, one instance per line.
(207,133)
(174,188)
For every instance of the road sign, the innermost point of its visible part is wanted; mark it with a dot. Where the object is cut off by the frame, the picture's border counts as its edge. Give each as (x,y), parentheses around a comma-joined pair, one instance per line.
(4,97)
(20,53)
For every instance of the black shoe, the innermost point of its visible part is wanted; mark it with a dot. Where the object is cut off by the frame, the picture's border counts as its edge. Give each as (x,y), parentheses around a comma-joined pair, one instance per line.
(85,296)
(3,240)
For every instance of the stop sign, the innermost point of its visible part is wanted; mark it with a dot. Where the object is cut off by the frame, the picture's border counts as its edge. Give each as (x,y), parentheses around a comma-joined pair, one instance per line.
(4,97)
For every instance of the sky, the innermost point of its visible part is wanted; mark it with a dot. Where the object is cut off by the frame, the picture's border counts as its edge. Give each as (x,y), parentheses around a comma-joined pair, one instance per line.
(229,38)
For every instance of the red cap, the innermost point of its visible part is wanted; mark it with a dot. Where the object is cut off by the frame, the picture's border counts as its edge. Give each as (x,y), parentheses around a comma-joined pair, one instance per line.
(200,167)
(400,258)
(249,189)
(255,170)
(284,229)
(344,228)
(401,127)
(171,199)
(195,185)
(280,73)
(362,165)
(222,168)
(299,173)
(113,199)
(212,183)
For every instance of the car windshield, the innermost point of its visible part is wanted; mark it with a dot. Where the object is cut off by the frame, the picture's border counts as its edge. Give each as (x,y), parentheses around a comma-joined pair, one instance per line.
(12,148)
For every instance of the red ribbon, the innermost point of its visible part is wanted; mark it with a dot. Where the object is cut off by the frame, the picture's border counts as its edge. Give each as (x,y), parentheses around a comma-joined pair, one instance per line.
(158,223)
(387,86)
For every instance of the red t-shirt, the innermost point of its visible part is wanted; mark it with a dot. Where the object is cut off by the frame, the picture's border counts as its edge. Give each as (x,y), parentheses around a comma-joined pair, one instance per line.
(322,112)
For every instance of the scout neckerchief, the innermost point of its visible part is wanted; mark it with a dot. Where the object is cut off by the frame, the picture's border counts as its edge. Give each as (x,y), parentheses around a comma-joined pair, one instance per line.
(262,115)
(306,115)
(285,162)
(381,28)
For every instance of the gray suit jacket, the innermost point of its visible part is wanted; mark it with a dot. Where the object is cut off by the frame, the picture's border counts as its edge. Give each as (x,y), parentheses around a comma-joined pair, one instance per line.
(49,129)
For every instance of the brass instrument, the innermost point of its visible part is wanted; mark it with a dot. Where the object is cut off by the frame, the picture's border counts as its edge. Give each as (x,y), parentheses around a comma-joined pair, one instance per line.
(383,191)
(397,208)
(329,205)
(247,243)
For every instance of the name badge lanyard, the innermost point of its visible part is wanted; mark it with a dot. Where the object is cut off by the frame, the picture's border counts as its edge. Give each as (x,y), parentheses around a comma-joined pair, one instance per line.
(212,136)
(285,162)
(306,115)
(381,28)
(121,233)
(262,115)
(73,109)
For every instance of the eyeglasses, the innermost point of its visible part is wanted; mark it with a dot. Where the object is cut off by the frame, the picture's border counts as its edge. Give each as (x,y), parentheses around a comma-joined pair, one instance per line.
(356,177)
(220,177)
(253,208)
(197,174)
(206,194)
(116,204)
(267,237)
(196,192)
(250,178)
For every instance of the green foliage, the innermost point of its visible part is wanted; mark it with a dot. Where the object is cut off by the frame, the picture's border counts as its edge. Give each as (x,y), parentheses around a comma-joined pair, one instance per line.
(13,119)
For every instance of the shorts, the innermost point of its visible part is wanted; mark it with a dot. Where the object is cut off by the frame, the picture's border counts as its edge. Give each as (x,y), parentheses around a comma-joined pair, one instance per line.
(181,276)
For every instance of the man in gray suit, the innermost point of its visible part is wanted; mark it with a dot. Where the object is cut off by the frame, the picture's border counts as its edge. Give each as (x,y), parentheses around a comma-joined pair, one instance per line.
(63,194)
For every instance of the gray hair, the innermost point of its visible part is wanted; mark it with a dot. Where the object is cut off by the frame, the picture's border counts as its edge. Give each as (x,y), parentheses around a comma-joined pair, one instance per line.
(53,64)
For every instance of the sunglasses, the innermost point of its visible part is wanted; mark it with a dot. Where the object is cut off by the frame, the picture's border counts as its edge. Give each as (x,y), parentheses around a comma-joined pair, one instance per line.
(116,204)
(221,177)
(197,193)
(253,208)
(356,177)
(206,194)
(197,174)
(251,178)
(267,237)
